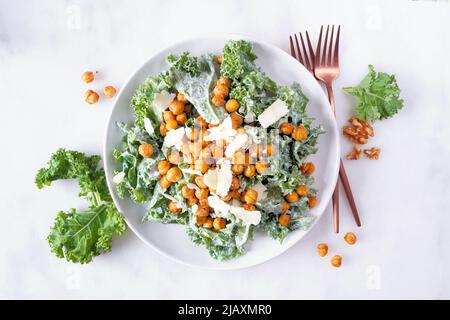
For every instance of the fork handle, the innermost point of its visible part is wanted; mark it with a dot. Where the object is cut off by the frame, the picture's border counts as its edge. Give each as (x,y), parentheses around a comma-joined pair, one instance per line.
(349,194)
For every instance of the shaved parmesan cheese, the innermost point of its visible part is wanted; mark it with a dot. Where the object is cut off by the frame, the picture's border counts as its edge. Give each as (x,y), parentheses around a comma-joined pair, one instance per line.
(210,179)
(220,207)
(222,131)
(192,171)
(148,126)
(262,191)
(193,186)
(118,178)
(273,113)
(224,178)
(248,217)
(174,138)
(163,99)
(239,141)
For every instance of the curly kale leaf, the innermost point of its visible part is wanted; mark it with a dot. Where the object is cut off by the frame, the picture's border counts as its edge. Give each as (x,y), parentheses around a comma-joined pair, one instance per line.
(378,95)
(186,63)
(238,59)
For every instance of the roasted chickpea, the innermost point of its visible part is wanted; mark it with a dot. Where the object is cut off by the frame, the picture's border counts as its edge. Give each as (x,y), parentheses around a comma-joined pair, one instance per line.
(164,183)
(292,197)
(199,182)
(299,133)
(91,97)
(200,165)
(248,207)
(235,194)
(202,212)
(172,124)
(302,190)
(232,105)
(208,223)
(350,238)
(200,220)
(188,108)
(163,167)
(249,171)
(87,76)
(223,81)
(261,166)
(219,223)
(201,122)
(236,120)
(202,193)
(168,115)
(284,207)
(192,201)
(227,198)
(218,101)
(336,261)
(174,174)
(162,129)
(322,249)
(307,168)
(219,59)
(235,183)
(181,97)
(250,196)
(237,168)
(109,91)
(145,150)
(186,192)
(238,157)
(177,107)
(312,201)
(181,118)
(173,207)
(286,128)
(175,157)
(203,203)
(284,220)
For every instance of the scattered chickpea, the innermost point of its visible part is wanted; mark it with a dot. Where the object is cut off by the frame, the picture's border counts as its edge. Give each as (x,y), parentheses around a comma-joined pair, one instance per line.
(248,207)
(224,81)
(249,171)
(208,223)
(218,101)
(203,203)
(91,96)
(302,190)
(219,59)
(322,249)
(235,183)
(201,166)
(235,194)
(191,201)
(202,212)
(284,220)
(336,261)
(238,157)
(284,207)
(219,223)
(145,150)
(202,122)
(163,167)
(181,97)
(292,197)
(172,124)
(174,157)
(182,118)
(199,182)
(237,168)
(227,198)
(307,168)
(164,183)
(186,192)
(350,238)
(250,196)
(177,107)
(200,220)
(109,91)
(236,120)
(299,133)
(312,201)
(173,207)
(174,174)
(162,129)
(168,115)
(286,128)
(232,105)
(202,193)
(261,166)
(87,76)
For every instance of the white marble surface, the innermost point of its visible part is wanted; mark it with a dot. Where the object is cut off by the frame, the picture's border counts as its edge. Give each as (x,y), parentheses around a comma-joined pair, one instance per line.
(403,198)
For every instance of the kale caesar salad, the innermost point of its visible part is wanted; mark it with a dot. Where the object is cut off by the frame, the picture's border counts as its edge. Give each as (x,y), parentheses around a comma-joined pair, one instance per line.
(218,146)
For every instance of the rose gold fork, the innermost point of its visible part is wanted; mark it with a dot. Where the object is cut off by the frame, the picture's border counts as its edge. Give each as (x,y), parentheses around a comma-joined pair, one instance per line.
(312,66)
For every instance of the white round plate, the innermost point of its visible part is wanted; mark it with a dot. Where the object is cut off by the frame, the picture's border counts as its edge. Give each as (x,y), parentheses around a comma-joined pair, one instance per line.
(171,240)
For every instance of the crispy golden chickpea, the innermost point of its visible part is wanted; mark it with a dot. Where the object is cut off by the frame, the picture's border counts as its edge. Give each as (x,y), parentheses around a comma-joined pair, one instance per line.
(292,197)
(168,115)
(200,165)
(236,120)
(87,76)
(219,223)
(186,192)
(322,249)
(237,168)
(238,157)
(181,97)
(249,171)
(312,201)
(164,183)
(227,198)
(202,193)
(145,150)
(174,174)
(188,108)
(218,101)
(200,220)
(177,107)
(248,207)
(192,201)
(235,183)
(261,166)
(202,212)
(350,238)
(299,133)
(201,122)
(109,91)
(286,128)
(284,219)
(223,81)
(173,207)
(235,194)
(199,182)
(232,105)
(203,203)
(172,124)
(307,168)
(219,59)
(208,223)
(175,157)
(91,97)
(302,190)
(181,118)
(163,167)
(336,261)
(162,129)
(284,207)
(250,196)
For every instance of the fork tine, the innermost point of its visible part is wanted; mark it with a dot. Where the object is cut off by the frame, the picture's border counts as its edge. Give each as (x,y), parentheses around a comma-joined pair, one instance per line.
(331,46)
(325,43)
(311,51)
(298,50)
(305,54)
(336,48)
(292,47)
(319,43)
